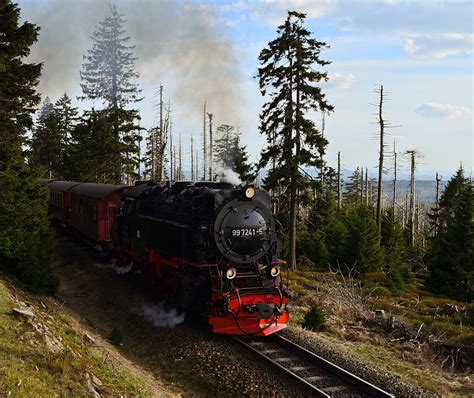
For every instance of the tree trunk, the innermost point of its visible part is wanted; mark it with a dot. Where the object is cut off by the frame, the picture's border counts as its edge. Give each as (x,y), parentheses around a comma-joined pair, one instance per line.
(412,198)
(366,187)
(381,149)
(210,147)
(321,172)
(293,177)
(192,158)
(204,145)
(394,196)
(339,187)
(436,220)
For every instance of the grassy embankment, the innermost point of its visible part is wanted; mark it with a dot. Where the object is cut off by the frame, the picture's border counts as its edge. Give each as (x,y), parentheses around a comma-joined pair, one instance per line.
(408,348)
(50,354)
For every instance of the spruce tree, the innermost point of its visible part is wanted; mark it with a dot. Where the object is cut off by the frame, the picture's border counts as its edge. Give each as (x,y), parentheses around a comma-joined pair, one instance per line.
(51,137)
(362,245)
(352,194)
(243,167)
(109,72)
(46,144)
(108,75)
(226,146)
(326,235)
(288,75)
(451,256)
(92,154)
(67,117)
(25,236)
(393,241)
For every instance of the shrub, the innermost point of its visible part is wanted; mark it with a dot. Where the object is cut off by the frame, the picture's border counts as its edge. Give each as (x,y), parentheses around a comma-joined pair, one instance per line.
(381,292)
(115,337)
(314,319)
(470,315)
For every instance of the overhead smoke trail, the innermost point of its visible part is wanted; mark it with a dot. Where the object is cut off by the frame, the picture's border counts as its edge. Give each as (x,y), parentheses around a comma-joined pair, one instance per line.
(177,44)
(160,317)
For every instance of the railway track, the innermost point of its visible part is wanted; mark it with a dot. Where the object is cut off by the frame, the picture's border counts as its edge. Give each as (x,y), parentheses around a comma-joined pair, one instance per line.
(318,376)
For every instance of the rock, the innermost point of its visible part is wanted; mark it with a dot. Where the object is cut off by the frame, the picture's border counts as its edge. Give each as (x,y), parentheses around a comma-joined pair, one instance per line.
(96,381)
(25,312)
(89,338)
(53,344)
(379,314)
(90,386)
(391,322)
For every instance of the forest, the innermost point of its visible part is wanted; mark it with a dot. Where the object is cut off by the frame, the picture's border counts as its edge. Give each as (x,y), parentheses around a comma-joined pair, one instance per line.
(355,224)
(360,229)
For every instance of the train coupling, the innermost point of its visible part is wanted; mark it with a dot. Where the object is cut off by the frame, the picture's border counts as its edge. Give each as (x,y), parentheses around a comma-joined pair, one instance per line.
(264,310)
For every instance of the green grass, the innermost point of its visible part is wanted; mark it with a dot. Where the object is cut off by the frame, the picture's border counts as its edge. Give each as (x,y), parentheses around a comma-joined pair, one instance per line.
(29,369)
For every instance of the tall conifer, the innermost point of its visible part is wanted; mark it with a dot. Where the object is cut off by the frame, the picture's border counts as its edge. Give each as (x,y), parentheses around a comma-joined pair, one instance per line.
(243,166)
(451,256)
(288,74)
(108,75)
(226,146)
(25,237)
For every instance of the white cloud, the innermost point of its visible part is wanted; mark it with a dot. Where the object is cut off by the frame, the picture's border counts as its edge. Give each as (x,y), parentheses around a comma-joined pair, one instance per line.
(439,46)
(341,80)
(437,110)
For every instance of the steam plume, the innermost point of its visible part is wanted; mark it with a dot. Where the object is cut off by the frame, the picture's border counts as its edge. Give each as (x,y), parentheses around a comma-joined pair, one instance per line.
(224,174)
(160,317)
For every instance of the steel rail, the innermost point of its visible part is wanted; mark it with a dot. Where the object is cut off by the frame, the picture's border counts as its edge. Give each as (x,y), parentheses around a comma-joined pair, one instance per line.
(346,381)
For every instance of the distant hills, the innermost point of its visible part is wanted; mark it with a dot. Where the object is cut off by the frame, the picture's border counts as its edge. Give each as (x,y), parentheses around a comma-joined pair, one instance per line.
(425,190)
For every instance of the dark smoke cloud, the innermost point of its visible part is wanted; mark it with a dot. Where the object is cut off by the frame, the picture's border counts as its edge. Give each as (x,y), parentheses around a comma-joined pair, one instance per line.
(178,45)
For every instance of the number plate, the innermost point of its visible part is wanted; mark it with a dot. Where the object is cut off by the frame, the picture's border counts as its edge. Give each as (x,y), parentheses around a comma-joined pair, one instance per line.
(244,232)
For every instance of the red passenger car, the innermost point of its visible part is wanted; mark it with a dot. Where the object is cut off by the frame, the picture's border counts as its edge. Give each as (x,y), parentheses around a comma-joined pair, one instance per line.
(93,210)
(60,200)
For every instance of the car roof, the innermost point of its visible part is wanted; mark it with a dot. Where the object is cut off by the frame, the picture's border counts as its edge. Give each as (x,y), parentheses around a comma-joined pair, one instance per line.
(62,186)
(96,190)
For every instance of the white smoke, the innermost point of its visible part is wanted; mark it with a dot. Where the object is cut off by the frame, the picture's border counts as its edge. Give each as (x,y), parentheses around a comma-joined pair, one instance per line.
(161,317)
(224,174)
(122,270)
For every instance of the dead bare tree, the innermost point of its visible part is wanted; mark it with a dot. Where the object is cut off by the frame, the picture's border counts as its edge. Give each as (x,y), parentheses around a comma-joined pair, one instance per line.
(196,157)
(413,153)
(180,173)
(172,175)
(192,158)
(321,172)
(339,185)
(211,161)
(436,220)
(366,187)
(383,126)
(394,193)
(204,144)
(381,122)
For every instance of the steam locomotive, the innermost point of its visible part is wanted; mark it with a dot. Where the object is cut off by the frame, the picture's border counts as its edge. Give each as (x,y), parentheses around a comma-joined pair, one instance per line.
(208,247)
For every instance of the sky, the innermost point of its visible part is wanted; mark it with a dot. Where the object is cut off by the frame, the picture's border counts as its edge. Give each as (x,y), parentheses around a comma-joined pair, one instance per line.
(420,51)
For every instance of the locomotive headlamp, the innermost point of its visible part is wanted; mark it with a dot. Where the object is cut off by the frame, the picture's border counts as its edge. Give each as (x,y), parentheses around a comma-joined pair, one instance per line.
(231,273)
(275,271)
(249,192)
